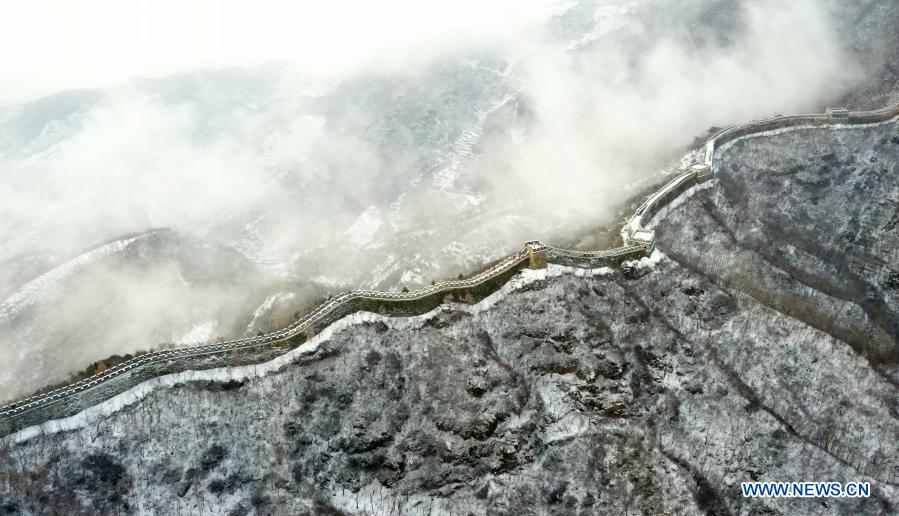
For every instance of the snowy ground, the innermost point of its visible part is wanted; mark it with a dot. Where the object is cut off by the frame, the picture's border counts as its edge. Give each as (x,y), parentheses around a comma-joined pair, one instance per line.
(272,181)
(749,348)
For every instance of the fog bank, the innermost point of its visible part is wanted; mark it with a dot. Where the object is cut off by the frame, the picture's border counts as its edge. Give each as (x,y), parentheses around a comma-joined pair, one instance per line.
(225,201)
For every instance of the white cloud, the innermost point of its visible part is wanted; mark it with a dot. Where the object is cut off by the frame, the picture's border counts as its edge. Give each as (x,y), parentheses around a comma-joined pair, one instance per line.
(49,45)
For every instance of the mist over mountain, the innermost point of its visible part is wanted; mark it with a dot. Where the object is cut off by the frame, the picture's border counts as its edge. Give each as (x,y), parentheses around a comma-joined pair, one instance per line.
(758,342)
(219,203)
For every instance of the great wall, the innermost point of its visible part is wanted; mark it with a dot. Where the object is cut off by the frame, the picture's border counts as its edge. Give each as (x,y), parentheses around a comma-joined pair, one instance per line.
(638,242)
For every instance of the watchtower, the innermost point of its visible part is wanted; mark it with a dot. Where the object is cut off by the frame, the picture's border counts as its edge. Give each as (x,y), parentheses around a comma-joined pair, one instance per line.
(836,113)
(701,171)
(536,254)
(644,237)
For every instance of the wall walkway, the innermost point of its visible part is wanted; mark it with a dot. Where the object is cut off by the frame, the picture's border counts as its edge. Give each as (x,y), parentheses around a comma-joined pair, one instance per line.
(638,242)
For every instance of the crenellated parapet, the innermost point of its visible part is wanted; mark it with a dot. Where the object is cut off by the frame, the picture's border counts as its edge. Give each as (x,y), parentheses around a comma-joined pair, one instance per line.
(634,231)
(835,113)
(638,241)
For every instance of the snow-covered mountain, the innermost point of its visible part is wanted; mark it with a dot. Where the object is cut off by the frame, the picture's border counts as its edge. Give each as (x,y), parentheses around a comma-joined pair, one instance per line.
(217,204)
(759,343)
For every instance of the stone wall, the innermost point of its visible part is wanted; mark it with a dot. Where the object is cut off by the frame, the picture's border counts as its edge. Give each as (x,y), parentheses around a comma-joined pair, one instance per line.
(72,399)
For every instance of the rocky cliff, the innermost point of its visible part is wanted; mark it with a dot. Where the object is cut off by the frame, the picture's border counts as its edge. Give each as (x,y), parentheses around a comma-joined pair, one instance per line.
(759,343)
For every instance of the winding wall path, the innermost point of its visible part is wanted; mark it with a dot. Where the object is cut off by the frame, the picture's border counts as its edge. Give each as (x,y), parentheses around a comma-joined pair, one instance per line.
(638,242)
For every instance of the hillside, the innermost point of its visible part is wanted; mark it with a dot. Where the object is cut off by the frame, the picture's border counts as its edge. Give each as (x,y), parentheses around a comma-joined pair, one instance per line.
(758,343)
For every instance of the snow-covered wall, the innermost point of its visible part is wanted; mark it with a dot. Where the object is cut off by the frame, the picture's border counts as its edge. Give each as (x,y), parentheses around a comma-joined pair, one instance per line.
(71,400)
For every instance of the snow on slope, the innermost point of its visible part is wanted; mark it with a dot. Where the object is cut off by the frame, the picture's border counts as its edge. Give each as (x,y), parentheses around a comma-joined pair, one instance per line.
(46,283)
